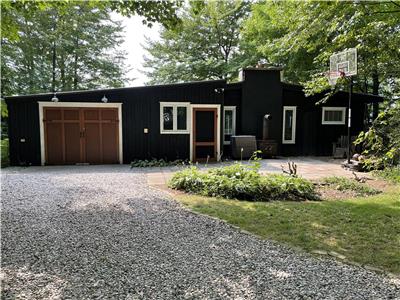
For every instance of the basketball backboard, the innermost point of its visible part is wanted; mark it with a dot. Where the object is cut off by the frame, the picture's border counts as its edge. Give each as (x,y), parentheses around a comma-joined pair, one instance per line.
(342,64)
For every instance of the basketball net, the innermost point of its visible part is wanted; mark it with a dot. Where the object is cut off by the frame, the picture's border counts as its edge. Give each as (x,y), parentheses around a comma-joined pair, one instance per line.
(333,76)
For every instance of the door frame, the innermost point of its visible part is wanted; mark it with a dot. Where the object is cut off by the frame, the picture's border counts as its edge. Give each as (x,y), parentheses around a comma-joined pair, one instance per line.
(218,107)
(43,104)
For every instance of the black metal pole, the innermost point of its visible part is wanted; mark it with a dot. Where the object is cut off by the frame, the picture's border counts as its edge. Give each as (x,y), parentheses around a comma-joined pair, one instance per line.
(349,121)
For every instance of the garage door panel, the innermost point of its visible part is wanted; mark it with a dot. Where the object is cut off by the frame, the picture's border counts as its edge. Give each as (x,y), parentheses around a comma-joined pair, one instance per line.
(54,141)
(72,143)
(91,114)
(53,114)
(109,114)
(110,142)
(71,114)
(92,143)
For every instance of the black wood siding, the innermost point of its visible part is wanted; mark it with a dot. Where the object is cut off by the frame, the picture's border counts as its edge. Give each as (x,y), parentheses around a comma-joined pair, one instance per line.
(312,137)
(140,109)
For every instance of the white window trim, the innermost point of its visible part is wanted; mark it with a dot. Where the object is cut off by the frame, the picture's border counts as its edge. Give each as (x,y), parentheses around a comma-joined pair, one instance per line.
(293,140)
(43,104)
(233,109)
(175,106)
(336,108)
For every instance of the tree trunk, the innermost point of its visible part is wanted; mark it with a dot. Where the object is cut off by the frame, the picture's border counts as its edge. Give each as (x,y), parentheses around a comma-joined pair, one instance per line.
(76,64)
(375,91)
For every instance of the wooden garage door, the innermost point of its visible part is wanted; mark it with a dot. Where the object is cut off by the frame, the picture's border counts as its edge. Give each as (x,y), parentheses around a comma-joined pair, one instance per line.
(81,135)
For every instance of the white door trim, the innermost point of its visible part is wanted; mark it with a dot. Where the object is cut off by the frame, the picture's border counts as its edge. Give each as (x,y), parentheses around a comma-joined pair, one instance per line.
(218,107)
(43,104)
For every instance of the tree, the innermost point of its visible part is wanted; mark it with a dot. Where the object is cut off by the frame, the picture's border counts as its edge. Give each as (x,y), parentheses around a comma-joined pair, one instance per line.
(83,39)
(205,45)
(163,12)
(302,35)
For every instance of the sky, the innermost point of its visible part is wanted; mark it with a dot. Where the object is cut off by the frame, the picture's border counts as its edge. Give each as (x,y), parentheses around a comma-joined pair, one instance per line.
(135,33)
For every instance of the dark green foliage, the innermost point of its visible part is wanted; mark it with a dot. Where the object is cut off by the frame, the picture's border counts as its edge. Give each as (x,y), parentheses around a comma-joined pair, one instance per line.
(139,163)
(84,38)
(5,159)
(382,141)
(345,184)
(240,182)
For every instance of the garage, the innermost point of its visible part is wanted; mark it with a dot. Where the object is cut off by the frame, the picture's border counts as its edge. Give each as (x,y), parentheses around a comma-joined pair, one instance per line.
(80,135)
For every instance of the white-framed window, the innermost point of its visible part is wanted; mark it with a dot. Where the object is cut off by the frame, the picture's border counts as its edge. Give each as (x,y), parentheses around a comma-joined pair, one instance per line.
(289,125)
(229,123)
(174,117)
(333,115)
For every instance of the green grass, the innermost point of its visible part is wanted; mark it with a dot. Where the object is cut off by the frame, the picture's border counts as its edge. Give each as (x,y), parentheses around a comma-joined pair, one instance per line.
(345,184)
(365,230)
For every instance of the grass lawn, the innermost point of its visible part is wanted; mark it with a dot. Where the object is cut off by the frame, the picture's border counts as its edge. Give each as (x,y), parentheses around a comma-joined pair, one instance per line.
(364,230)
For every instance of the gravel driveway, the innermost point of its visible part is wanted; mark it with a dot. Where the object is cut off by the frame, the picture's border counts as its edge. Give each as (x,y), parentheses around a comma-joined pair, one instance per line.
(100,232)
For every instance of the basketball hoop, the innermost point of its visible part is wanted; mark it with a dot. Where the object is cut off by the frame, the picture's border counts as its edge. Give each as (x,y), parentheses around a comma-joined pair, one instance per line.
(342,64)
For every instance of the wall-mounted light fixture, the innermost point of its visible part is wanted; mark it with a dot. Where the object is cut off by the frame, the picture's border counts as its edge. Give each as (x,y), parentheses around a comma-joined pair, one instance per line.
(104,99)
(219,90)
(54,99)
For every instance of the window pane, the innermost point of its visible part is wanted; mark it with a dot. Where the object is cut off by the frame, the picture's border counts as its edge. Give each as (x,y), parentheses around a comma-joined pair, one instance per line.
(182,118)
(228,128)
(333,115)
(288,124)
(168,118)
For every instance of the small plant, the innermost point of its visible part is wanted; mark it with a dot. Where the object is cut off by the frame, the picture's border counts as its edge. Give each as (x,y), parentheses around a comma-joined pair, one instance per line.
(390,173)
(345,184)
(138,163)
(292,169)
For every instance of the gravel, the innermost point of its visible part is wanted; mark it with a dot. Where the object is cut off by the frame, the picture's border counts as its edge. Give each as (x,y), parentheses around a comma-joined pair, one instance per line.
(99,232)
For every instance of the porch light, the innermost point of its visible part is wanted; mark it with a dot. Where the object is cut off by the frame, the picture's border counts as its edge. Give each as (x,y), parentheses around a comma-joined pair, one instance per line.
(54,99)
(104,99)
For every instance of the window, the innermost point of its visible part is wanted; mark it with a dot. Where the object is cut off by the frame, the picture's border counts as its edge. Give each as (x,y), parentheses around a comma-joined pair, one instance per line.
(229,123)
(289,125)
(333,115)
(174,117)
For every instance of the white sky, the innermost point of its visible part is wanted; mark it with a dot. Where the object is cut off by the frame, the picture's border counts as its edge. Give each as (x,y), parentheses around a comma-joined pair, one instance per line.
(135,33)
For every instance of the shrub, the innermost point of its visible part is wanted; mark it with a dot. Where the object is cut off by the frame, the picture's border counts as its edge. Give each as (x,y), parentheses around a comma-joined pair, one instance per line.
(345,184)
(390,173)
(5,161)
(381,142)
(242,182)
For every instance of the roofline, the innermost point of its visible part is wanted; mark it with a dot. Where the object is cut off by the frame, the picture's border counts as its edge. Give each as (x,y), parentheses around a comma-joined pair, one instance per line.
(299,87)
(222,81)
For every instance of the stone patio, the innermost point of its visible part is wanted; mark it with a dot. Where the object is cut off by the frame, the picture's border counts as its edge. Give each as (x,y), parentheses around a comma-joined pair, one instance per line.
(307,167)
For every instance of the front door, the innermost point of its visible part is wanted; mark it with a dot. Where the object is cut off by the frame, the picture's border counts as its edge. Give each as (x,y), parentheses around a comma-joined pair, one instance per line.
(81,135)
(205,134)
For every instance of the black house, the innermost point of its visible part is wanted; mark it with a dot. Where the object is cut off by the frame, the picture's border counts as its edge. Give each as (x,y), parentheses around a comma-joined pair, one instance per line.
(187,120)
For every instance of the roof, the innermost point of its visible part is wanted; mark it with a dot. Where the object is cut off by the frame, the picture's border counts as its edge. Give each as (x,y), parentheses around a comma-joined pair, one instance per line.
(181,84)
(368,97)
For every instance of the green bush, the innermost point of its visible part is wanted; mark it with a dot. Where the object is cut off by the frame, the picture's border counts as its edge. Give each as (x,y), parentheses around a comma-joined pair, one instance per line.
(5,160)
(390,173)
(242,182)
(345,184)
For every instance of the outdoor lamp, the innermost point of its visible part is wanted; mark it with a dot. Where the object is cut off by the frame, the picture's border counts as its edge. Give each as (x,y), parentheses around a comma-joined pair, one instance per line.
(54,99)
(104,99)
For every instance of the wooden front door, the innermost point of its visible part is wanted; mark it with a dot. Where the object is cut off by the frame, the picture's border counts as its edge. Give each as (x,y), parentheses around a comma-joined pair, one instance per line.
(204,134)
(81,135)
